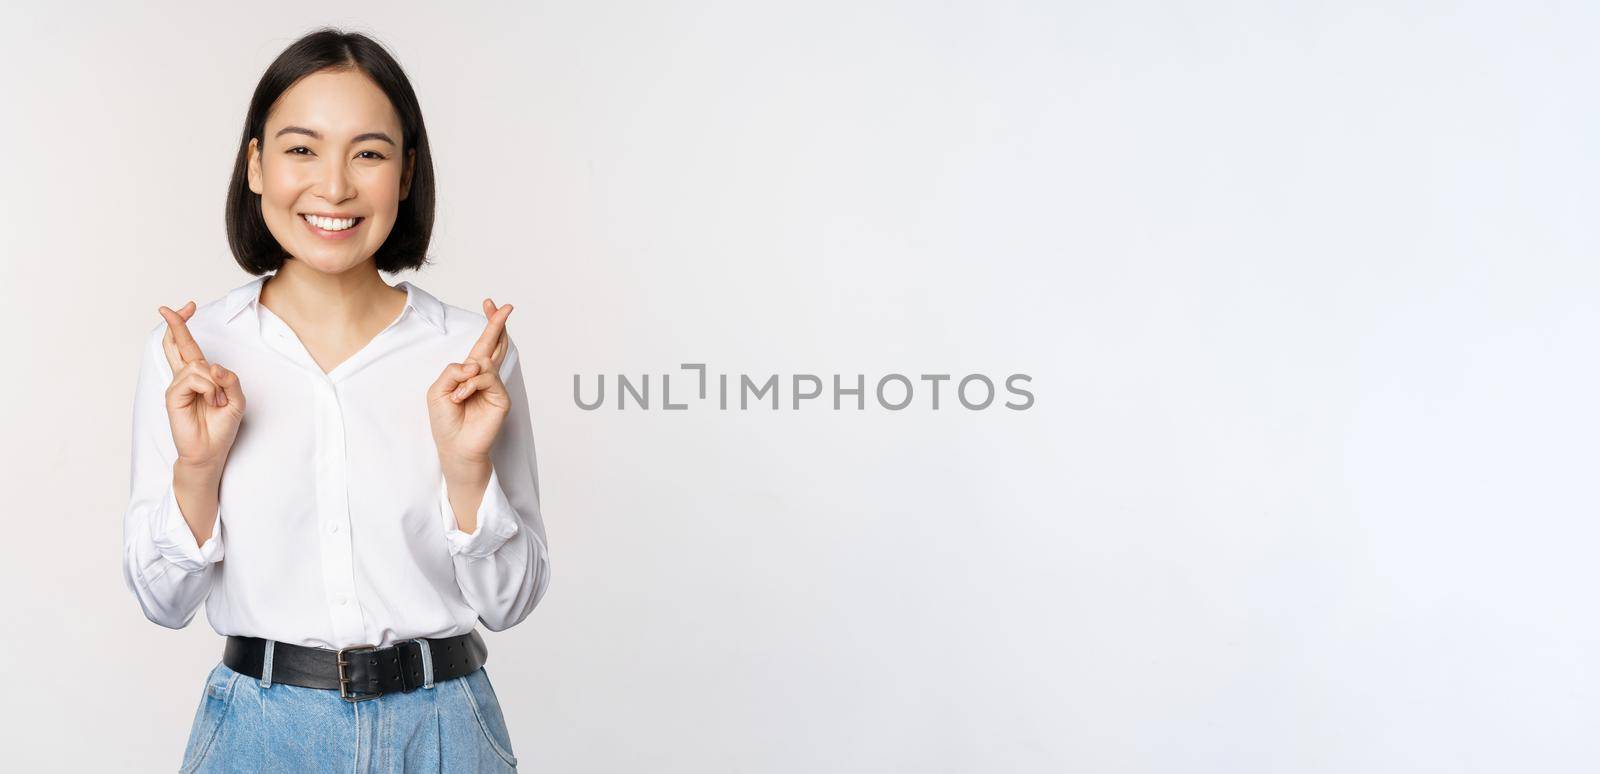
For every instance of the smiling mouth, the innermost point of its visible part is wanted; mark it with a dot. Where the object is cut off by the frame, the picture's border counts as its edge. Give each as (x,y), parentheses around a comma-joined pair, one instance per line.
(332,224)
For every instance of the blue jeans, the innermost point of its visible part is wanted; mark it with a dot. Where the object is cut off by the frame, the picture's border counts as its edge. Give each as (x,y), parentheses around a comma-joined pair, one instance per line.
(248,725)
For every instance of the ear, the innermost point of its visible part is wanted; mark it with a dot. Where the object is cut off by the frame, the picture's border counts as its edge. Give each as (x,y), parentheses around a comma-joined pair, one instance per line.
(405,176)
(253,168)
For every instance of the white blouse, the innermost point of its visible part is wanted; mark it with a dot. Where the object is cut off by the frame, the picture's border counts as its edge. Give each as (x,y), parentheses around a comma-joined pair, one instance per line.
(333,508)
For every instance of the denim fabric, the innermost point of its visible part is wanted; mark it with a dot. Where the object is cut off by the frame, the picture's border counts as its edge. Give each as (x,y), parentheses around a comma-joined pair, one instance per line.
(244,724)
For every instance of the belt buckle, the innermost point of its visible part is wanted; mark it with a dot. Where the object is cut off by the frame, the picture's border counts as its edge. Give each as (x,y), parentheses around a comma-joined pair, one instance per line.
(344,679)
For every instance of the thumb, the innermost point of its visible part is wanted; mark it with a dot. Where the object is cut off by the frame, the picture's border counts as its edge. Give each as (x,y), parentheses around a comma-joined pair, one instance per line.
(454,374)
(229,382)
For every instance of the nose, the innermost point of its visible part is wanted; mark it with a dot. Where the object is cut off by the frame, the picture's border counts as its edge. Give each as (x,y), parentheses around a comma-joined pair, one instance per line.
(335,186)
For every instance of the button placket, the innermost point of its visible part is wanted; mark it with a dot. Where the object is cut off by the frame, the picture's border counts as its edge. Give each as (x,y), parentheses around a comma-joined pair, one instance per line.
(333,499)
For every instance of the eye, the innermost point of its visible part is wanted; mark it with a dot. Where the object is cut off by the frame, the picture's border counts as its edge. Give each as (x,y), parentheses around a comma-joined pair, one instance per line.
(375,155)
(299,148)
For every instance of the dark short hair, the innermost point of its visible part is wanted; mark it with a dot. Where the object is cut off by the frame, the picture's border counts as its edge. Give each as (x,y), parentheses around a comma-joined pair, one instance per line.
(406,247)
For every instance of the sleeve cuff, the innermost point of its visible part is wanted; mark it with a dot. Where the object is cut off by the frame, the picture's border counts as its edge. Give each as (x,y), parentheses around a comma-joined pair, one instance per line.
(497,521)
(175,541)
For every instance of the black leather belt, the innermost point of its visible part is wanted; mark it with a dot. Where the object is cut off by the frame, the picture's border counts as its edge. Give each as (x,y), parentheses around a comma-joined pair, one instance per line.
(360,671)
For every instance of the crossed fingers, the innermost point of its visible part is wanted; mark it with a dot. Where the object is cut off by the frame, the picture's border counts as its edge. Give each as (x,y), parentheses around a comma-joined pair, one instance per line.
(490,349)
(178,343)
(186,359)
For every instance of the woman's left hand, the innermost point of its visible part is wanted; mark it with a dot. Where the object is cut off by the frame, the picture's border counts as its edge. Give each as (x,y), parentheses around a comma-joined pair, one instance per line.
(468,403)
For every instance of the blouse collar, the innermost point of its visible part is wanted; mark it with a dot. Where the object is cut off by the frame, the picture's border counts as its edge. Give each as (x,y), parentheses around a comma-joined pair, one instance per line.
(430,309)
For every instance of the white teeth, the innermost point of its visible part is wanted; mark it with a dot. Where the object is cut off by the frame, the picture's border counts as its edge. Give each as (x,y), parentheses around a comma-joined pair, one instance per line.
(330,224)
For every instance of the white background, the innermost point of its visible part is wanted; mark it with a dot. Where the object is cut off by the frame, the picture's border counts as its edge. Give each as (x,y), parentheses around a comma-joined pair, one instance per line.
(1308,293)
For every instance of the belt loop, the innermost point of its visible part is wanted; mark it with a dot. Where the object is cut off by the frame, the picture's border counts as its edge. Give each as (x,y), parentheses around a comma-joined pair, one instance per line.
(427,662)
(266,664)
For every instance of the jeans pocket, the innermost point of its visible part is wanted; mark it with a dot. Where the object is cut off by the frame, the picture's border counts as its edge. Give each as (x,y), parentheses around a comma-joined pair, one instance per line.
(214,702)
(485,705)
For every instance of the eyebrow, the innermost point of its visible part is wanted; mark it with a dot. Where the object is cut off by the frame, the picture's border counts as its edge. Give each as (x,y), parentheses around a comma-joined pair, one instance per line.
(312,133)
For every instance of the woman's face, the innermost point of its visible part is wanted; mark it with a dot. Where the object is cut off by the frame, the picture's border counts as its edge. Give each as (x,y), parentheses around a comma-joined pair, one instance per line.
(331,147)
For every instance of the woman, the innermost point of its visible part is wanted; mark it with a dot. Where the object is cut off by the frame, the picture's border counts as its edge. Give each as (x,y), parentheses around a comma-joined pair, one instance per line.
(363,451)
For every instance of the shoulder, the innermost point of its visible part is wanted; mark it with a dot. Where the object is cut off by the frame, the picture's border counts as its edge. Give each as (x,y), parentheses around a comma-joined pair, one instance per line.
(462,325)
(455,320)
(210,315)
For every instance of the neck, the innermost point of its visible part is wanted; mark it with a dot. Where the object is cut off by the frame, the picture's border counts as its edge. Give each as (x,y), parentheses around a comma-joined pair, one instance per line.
(349,300)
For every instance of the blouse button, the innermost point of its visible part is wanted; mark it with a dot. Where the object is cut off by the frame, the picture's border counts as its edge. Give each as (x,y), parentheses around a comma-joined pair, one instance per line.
(333,527)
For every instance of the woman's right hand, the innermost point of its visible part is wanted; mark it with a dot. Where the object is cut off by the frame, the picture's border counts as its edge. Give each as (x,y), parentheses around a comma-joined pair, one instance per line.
(204,402)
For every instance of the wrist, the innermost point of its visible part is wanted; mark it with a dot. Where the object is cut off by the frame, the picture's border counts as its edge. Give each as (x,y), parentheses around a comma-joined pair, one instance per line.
(199,472)
(467,469)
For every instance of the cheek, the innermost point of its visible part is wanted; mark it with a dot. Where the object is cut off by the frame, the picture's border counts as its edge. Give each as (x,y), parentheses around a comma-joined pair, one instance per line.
(280,184)
(381,187)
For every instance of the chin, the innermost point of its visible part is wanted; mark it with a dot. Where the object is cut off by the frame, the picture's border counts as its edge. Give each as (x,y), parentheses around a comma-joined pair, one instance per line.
(330,264)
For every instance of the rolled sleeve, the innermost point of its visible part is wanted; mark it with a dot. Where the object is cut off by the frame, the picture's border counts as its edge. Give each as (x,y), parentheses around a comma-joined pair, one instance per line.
(167,572)
(174,540)
(503,569)
(497,521)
